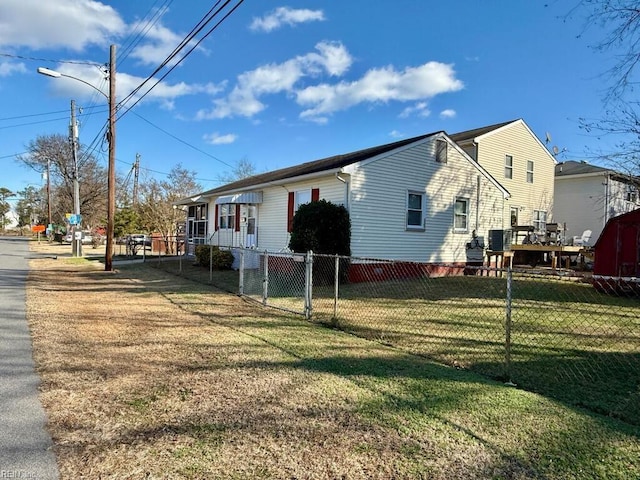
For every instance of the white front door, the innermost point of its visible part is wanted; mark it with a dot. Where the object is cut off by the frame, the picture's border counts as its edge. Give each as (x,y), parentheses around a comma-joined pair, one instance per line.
(248,224)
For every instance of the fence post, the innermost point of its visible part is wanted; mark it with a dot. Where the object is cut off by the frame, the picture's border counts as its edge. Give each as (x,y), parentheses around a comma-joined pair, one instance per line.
(241,285)
(178,252)
(265,279)
(308,285)
(210,262)
(144,246)
(507,327)
(335,289)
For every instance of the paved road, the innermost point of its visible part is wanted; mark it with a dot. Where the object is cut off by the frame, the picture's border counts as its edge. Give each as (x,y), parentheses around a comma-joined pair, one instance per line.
(25,446)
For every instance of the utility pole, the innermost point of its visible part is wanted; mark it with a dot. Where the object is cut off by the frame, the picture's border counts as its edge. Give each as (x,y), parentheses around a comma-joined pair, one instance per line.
(111,183)
(49,193)
(76,243)
(136,171)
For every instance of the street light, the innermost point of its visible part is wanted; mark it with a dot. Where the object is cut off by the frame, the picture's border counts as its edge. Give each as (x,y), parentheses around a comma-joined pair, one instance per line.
(111,138)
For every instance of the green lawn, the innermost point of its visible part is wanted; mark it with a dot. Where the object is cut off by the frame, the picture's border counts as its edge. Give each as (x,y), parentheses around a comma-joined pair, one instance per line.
(567,340)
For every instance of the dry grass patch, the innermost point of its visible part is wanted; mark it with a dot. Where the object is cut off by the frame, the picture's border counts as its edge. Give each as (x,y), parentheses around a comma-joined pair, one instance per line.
(147,375)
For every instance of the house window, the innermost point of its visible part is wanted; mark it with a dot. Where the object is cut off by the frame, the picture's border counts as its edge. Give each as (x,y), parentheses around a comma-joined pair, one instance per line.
(302,197)
(227,215)
(197,220)
(631,194)
(441,151)
(461,215)
(529,171)
(508,166)
(514,216)
(415,210)
(540,221)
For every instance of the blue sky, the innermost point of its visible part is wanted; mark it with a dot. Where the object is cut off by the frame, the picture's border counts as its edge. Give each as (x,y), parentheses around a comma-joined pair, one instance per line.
(281,83)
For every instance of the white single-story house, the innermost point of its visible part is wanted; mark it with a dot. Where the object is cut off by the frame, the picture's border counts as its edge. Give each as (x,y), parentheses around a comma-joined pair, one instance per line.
(417,199)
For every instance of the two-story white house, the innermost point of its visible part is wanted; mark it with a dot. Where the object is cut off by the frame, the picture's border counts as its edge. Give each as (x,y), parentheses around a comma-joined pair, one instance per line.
(587,196)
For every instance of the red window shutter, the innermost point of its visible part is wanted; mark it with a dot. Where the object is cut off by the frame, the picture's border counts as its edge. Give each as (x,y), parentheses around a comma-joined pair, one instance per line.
(290,211)
(216,219)
(237,217)
(315,194)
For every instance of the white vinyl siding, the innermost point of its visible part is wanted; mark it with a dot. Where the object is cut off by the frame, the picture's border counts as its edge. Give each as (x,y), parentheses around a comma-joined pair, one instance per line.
(272,232)
(379,192)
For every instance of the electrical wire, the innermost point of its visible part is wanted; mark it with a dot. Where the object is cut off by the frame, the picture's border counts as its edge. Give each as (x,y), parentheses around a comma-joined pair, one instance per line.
(70,62)
(141,33)
(182,45)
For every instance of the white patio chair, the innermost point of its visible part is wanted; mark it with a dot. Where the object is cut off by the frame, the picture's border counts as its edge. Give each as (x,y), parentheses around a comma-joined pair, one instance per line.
(582,240)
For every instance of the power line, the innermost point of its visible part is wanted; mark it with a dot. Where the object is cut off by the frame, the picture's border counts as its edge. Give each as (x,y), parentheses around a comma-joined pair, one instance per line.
(183,44)
(70,62)
(138,35)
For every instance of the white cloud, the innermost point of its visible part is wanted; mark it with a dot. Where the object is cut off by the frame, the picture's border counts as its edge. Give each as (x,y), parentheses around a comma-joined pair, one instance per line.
(8,68)
(160,43)
(217,139)
(285,16)
(448,113)
(58,23)
(419,109)
(333,58)
(380,86)
(396,134)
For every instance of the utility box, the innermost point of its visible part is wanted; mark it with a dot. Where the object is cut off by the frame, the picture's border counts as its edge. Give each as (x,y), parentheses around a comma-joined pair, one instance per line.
(499,240)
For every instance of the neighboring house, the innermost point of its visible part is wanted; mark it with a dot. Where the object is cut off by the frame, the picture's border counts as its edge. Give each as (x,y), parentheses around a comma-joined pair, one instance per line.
(587,196)
(516,158)
(417,199)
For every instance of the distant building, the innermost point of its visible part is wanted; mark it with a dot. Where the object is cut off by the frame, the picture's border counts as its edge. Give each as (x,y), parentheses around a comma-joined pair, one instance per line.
(588,196)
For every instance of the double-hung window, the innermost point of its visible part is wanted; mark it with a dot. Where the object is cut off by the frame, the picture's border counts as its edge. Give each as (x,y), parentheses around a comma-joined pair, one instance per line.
(540,221)
(508,166)
(415,210)
(529,171)
(461,215)
(227,215)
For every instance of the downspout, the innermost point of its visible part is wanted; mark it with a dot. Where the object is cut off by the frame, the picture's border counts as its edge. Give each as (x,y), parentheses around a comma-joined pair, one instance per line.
(477,202)
(346,190)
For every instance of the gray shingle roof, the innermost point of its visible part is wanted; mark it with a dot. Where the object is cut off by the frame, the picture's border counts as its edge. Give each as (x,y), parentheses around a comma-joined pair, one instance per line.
(329,163)
(461,137)
(572,167)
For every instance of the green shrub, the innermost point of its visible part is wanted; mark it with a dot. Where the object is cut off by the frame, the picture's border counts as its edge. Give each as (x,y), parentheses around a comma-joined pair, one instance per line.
(220,259)
(324,228)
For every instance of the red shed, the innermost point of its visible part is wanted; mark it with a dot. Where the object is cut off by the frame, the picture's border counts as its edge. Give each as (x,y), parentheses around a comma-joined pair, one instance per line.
(617,251)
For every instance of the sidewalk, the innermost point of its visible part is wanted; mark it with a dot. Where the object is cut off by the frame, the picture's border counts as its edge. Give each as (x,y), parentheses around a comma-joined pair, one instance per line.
(25,445)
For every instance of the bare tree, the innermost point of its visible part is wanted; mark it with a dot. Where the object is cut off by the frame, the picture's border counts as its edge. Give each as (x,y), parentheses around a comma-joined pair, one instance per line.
(156,206)
(54,152)
(243,169)
(620,19)
(620,124)
(4,205)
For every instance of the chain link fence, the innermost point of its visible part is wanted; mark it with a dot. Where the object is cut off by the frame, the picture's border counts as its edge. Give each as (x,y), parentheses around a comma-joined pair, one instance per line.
(571,336)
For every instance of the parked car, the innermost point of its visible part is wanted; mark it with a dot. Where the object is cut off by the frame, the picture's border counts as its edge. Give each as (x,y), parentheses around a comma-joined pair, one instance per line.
(139,239)
(87,238)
